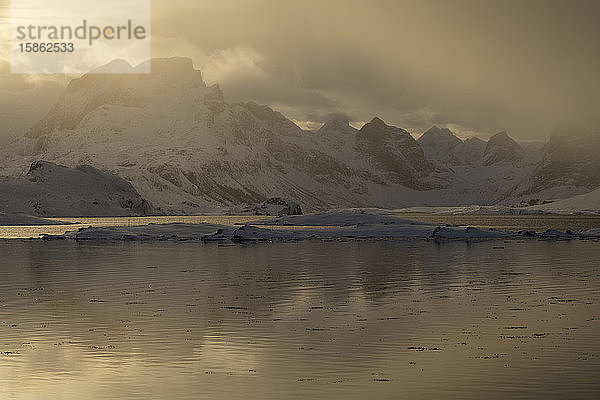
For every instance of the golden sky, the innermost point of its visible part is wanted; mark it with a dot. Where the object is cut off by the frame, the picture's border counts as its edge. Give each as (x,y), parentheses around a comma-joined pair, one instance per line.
(476,66)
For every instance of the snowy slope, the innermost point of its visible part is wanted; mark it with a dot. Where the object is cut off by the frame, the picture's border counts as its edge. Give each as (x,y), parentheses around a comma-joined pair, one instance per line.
(589,202)
(56,191)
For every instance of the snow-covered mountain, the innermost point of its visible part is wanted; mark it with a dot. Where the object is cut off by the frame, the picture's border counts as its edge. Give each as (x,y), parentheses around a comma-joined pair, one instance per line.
(439,143)
(394,152)
(338,124)
(469,151)
(568,167)
(187,150)
(501,148)
(54,190)
(337,135)
(570,159)
(476,171)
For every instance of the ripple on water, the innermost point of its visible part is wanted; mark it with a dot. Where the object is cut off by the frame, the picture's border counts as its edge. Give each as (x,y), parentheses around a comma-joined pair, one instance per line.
(293,320)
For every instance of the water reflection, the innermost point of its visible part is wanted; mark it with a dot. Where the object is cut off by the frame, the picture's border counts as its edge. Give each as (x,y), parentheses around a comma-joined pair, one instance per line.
(293,320)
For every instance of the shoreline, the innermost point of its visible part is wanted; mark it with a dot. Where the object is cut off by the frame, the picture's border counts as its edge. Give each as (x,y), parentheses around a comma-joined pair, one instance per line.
(331,226)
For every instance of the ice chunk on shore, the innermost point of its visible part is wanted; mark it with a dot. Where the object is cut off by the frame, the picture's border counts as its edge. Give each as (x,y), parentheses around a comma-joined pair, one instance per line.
(335,225)
(473,210)
(340,218)
(591,233)
(174,231)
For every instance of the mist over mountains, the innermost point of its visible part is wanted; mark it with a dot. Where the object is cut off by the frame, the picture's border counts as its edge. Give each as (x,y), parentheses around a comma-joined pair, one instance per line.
(186,150)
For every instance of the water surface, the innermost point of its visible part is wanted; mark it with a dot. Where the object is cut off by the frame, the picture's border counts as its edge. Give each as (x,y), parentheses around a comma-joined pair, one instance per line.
(515,319)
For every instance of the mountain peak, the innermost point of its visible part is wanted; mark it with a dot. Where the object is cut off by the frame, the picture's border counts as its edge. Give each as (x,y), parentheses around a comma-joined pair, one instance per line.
(436,130)
(378,121)
(378,129)
(393,149)
(501,147)
(438,142)
(439,137)
(377,125)
(116,66)
(337,123)
(168,77)
(500,136)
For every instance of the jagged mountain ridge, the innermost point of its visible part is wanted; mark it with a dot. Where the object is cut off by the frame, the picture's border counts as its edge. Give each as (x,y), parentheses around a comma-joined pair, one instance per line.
(183,147)
(483,172)
(187,150)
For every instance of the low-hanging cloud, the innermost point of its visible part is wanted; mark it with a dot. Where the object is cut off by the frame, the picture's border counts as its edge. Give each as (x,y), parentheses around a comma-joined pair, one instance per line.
(524,67)
(476,66)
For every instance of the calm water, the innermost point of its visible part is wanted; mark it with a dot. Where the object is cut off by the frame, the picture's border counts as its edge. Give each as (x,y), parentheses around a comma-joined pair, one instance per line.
(302,320)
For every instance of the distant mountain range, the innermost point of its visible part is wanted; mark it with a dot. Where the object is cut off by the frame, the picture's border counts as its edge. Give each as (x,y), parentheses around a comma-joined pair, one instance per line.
(185,149)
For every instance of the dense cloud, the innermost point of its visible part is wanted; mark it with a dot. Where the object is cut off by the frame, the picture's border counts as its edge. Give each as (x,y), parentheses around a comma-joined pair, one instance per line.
(475,66)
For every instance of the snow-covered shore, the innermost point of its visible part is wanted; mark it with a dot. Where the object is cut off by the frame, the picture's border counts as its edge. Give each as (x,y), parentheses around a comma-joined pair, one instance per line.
(334,225)
(9,219)
(562,207)
(588,203)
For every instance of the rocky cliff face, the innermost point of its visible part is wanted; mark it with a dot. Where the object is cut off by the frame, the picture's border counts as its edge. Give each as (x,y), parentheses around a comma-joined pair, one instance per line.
(394,152)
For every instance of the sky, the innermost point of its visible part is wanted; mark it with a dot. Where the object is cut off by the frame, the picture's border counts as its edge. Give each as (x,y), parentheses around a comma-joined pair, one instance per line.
(475,66)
